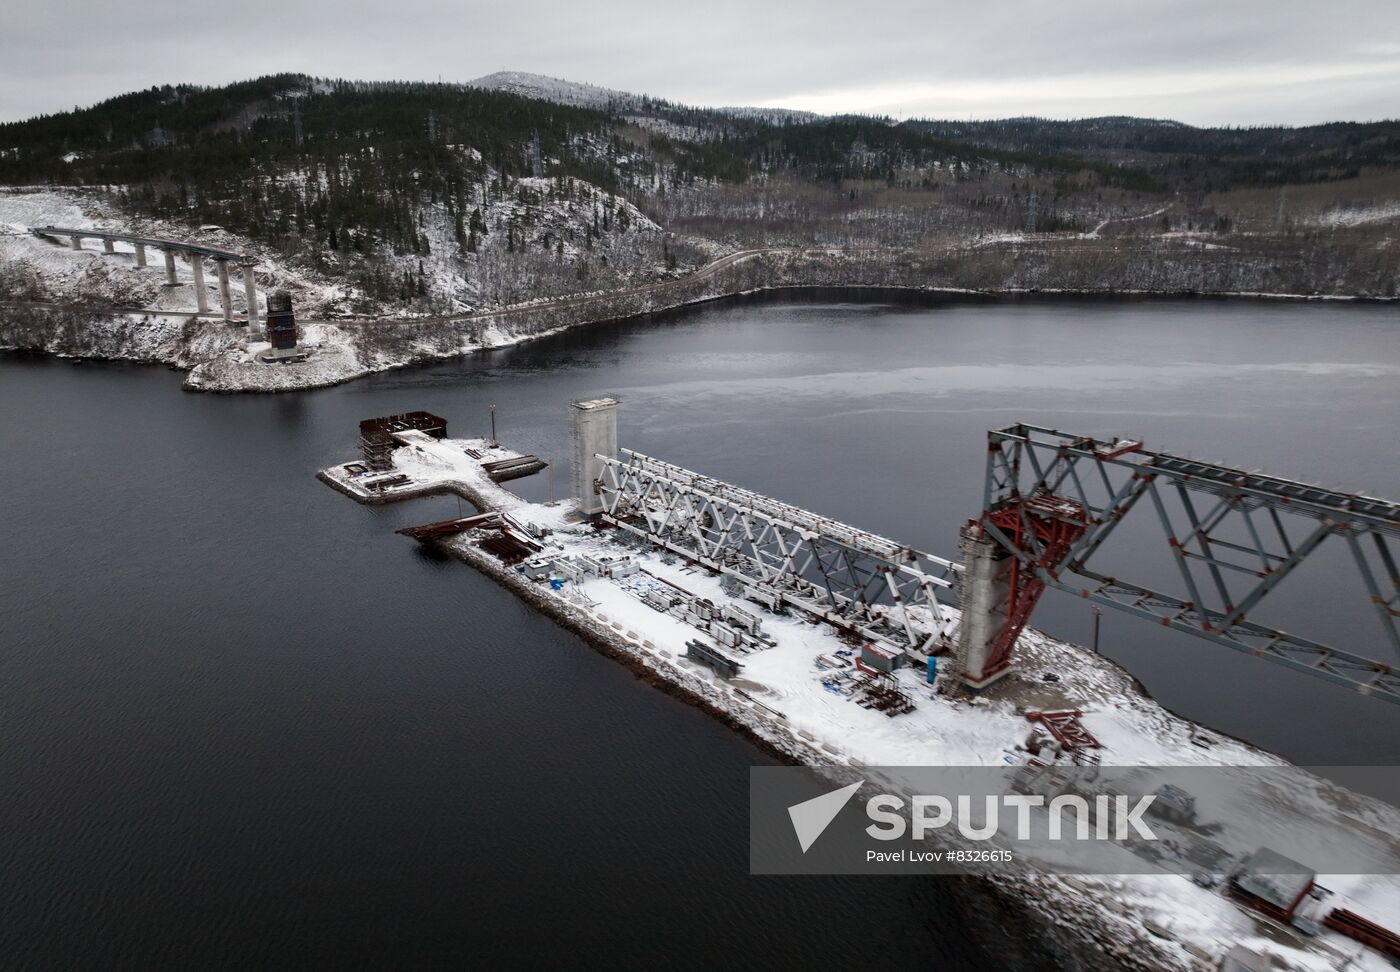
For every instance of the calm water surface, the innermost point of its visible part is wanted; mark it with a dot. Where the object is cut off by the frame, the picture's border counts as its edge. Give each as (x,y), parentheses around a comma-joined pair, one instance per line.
(245,724)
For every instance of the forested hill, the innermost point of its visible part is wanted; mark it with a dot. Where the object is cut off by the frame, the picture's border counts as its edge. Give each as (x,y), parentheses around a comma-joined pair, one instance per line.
(325,158)
(197,138)
(340,173)
(440,196)
(1206,158)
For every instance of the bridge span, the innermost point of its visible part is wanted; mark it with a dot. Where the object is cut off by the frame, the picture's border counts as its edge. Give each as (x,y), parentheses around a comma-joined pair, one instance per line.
(194,254)
(1051,501)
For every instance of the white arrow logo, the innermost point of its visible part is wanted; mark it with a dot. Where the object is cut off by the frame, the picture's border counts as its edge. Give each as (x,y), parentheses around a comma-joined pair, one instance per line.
(811,817)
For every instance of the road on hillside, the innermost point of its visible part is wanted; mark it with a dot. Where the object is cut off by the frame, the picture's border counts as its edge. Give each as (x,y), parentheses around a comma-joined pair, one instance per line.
(708,270)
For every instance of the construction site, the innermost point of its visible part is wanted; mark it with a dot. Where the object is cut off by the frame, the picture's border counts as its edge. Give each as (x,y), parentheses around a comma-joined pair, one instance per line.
(836,646)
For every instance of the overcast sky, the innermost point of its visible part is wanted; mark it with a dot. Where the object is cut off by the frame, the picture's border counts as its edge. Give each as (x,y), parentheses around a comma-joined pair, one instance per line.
(1215,62)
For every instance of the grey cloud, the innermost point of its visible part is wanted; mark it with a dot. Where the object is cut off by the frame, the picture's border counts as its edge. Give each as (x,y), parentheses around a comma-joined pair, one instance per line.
(1282,61)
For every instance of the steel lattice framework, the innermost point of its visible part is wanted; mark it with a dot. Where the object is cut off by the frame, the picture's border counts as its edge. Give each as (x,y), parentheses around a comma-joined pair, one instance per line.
(1052,500)
(858,581)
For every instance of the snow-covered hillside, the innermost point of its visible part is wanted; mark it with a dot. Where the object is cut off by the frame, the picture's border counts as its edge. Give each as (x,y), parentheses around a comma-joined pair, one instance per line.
(582,95)
(511,242)
(559,91)
(774,116)
(44,269)
(519,239)
(533,237)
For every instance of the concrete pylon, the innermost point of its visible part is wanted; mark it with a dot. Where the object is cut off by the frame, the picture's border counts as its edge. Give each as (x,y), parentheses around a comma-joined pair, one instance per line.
(108,246)
(985,601)
(250,289)
(201,296)
(595,434)
(225,304)
(76,242)
(171,279)
(140,254)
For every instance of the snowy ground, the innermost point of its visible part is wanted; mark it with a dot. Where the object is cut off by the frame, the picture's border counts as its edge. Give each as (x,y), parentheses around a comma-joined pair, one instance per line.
(1359,215)
(780,697)
(66,274)
(548,222)
(436,466)
(330,359)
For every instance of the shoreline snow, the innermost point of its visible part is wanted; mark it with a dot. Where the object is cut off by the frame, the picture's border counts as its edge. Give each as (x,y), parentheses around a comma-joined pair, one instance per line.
(88,304)
(339,361)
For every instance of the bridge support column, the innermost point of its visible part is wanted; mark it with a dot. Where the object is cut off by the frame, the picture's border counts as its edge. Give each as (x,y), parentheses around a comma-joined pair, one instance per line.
(595,433)
(140,254)
(250,290)
(171,280)
(201,295)
(108,247)
(76,242)
(985,601)
(224,303)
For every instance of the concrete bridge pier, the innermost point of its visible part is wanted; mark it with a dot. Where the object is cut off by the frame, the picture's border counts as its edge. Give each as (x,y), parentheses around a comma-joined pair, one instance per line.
(595,434)
(250,290)
(201,295)
(194,253)
(985,601)
(224,302)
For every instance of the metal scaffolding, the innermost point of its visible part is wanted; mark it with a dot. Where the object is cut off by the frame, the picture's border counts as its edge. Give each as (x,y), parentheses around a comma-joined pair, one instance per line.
(862,583)
(1052,500)
(377,441)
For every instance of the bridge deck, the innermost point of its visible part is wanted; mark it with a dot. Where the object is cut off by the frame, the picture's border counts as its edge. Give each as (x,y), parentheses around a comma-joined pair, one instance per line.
(155,242)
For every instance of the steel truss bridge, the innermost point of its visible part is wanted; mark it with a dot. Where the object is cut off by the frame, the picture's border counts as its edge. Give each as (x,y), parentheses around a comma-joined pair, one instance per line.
(1052,500)
(864,584)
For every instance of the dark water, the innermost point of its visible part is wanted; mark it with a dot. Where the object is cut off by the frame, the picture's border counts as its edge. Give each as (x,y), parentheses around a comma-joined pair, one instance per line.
(244,724)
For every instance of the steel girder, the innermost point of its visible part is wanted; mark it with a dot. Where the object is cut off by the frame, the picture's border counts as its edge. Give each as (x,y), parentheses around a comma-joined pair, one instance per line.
(1233,535)
(864,583)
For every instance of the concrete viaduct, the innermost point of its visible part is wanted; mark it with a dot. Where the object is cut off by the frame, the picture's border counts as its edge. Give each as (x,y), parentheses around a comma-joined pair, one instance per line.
(194,253)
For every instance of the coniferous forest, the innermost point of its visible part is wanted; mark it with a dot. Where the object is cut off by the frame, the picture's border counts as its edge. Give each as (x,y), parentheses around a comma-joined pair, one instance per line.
(356,177)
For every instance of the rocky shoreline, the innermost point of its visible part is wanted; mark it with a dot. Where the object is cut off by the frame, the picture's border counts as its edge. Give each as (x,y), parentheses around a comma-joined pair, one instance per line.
(346,350)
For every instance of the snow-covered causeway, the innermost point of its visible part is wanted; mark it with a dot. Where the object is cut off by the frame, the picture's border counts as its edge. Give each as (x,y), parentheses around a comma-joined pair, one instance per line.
(793,693)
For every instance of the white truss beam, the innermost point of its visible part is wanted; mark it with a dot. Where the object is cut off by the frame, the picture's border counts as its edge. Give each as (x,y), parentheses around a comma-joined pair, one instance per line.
(860,581)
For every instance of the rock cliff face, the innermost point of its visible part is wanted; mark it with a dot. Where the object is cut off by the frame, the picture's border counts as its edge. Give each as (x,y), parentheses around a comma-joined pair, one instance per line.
(75,331)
